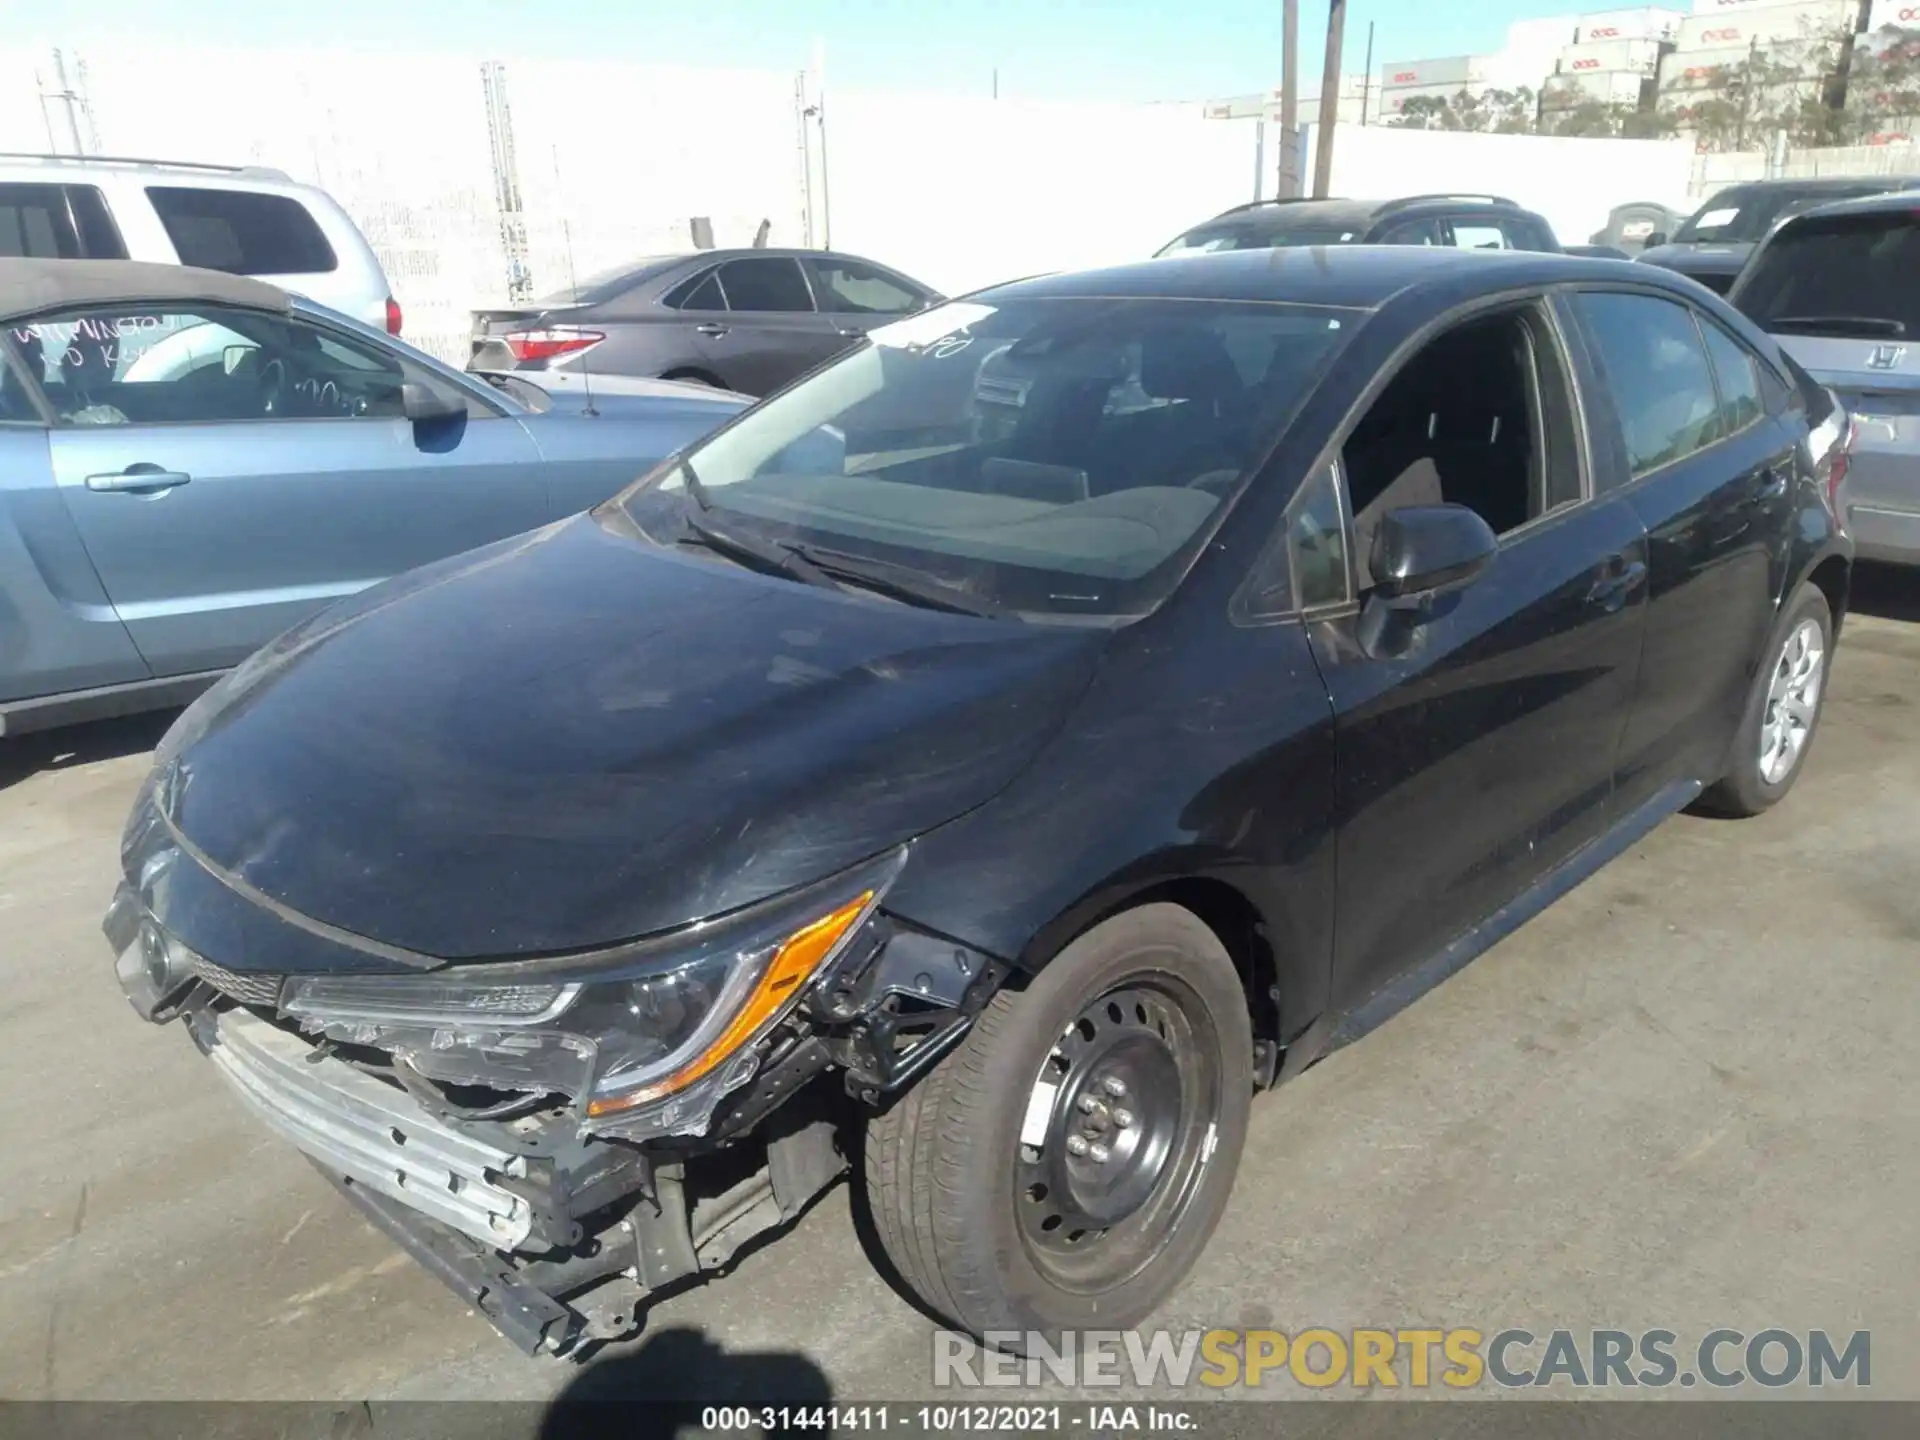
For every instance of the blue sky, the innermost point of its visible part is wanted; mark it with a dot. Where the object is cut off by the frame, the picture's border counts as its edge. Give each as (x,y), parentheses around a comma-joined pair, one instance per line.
(1068,49)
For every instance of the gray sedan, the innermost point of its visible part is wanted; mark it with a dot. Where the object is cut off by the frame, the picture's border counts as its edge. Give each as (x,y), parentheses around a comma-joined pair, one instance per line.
(191,462)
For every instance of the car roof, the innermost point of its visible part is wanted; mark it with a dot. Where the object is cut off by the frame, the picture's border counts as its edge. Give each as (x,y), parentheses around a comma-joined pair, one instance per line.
(32,287)
(1341,211)
(1353,276)
(1816,186)
(1896,203)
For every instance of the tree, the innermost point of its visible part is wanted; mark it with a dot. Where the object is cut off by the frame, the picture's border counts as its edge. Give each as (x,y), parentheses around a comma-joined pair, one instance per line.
(1600,120)
(1883,85)
(1496,112)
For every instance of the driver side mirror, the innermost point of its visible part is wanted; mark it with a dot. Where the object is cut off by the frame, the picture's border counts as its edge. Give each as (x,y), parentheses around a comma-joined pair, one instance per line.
(1657,238)
(420,403)
(1423,551)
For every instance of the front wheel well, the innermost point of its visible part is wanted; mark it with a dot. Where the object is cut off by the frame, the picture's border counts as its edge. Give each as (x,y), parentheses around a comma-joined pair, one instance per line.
(1237,924)
(1833,577)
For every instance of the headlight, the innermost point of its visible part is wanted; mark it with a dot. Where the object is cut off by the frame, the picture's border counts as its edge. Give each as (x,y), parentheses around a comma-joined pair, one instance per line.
(646,1038)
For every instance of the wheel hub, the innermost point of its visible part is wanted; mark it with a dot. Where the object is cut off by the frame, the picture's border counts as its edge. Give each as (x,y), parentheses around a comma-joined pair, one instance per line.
(1107,1115)
(1793,700)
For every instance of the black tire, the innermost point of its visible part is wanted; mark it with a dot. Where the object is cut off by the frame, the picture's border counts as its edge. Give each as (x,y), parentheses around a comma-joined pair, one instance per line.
(1746,789)
(948,1174)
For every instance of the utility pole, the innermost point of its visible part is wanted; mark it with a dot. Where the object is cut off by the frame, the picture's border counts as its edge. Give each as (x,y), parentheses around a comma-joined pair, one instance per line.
(1366,82)
(1329,99)
(1289,100)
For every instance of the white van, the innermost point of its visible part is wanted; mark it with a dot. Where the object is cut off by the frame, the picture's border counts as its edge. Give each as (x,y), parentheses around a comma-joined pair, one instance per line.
(245,221)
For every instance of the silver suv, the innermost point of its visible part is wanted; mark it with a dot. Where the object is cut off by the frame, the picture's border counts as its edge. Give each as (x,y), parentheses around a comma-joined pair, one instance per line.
(245,221)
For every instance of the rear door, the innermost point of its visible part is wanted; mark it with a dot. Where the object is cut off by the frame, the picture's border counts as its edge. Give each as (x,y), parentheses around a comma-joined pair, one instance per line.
(1842,296)
(1709,472)
(770,331)
(230,471)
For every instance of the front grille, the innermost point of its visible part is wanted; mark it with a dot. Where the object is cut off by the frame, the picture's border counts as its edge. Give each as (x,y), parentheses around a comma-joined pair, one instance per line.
(251,988)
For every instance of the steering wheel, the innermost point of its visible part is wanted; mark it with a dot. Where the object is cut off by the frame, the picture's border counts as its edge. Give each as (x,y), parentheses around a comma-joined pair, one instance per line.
(272,387)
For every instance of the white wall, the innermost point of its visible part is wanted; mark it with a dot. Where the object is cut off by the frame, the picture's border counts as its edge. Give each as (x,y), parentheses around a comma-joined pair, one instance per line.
(1573,183)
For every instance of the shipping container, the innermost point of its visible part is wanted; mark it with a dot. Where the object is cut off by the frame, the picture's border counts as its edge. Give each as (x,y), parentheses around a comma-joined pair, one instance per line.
(1606,87)
(1449,70)
(1811,20)
(1392,102)
(1694,69)
(1640,56)
(1648,23)
(1894,15)
(1720,7)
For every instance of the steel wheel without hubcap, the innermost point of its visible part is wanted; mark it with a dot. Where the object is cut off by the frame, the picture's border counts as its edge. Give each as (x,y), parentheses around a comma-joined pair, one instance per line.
(1120,1127)
(1793,700)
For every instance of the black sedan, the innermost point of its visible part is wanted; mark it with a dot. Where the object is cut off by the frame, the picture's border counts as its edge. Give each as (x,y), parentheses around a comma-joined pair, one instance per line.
(1080,707)
(743,320)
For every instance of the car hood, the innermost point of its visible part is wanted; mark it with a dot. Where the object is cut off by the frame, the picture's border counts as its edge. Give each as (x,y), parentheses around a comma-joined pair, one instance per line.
(576,737)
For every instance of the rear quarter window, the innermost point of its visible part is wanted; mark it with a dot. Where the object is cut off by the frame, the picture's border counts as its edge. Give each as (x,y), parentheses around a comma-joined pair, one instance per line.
(242,232)
(57,222)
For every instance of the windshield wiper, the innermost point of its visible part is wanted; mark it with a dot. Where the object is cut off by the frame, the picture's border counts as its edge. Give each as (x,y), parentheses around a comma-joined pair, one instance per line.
(769,556)
(1842,324)
(896,581)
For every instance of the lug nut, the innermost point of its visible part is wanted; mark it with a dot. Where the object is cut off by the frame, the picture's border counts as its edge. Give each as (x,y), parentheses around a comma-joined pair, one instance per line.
(1091,1105)
(1099,1153)
(1076,1145)
(1122,1119)
(1114,1086)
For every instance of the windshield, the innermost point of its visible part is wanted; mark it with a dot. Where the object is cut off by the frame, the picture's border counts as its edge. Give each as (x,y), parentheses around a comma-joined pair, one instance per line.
(1745,215)
(1850,275)
(1207,239)
(1056,458)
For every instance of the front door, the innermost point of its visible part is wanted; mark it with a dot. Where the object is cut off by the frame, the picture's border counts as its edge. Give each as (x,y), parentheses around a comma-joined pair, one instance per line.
(1477,746)
(232,471)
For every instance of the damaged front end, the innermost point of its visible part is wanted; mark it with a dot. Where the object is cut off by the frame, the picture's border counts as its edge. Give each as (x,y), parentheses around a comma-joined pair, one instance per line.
(557,1138)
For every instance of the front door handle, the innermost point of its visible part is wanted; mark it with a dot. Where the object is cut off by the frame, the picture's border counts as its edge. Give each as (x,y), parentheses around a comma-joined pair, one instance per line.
(1623,577)
(850,334)
(710,330)
(139,479)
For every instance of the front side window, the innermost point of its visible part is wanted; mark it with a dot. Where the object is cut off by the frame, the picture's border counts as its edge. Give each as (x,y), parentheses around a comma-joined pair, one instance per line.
(1651,353)
(133,365)
(847,287)
(1479,235)
(1412,232)
(765,283)
(1054,457)
(243,232)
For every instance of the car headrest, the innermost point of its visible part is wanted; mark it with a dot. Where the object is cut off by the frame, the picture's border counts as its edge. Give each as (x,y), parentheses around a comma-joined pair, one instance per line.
(1188,364)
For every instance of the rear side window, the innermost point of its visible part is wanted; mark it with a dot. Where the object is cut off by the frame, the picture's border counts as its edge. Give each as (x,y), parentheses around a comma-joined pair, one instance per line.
(1479,235)
(242,232)
(1657,370)
(1852,275)
(57,222)
(765,283)
(1739,377)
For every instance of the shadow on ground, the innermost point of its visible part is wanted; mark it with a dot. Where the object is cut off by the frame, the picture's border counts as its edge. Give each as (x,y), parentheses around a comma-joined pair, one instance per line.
(665,1386)
(1890,591)
(72,746)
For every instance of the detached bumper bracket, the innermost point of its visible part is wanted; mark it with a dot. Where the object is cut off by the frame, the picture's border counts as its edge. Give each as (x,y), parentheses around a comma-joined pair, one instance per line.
(525,1314)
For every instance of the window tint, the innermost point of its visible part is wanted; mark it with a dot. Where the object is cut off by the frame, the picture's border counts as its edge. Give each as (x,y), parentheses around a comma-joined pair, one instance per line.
(1479,235)
(56,222)
(765,284)
(702,292)
(1739,377)
(1316,543)
(1852,276)
(1657,370)
(242,232)
(15,402)
(131,365)
(848,287)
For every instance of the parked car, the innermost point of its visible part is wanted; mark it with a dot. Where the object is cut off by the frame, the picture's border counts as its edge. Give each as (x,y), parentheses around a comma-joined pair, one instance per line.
(240,220)
(193,462)
(1634,226)
(1027,796)
(746,320)
(1839,289)
(1466,222)
(1716,239)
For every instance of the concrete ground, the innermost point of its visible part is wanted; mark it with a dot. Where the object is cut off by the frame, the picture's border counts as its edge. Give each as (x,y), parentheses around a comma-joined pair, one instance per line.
(1687,1097)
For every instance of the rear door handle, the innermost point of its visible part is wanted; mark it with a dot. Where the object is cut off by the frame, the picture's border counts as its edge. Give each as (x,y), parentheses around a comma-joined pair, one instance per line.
(850,334)
(1623,577)
(140,480)
(711,331)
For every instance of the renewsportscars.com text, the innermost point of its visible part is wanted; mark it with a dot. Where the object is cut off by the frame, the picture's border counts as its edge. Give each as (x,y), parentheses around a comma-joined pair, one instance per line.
(1458,1359)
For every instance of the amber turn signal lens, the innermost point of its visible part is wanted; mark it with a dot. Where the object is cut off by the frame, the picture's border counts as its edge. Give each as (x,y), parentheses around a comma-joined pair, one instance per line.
(797,958)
